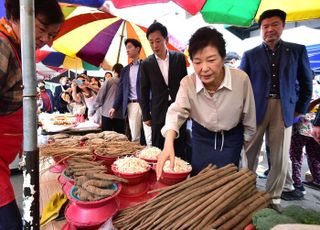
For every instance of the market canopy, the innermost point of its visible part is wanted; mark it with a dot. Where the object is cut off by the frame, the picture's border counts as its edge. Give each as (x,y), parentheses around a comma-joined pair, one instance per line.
(56,59)
(238,12)
(314,57)
(45,72)
(95,36)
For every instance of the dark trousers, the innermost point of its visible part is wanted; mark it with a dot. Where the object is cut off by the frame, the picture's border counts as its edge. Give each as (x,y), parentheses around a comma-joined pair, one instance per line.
(114,124)
(10,218)
(179,144)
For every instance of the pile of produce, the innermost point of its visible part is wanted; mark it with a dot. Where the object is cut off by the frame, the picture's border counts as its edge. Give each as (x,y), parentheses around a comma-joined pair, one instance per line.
(64,122)
(179,166)
(90,139)
(216,198)
(63,146)
(91,181)
(95,186)
(118,148)
(131,165)
(149,153)
(266,218)
(66,119)
(81,167)
(64,139)
(62,151)
(97,139)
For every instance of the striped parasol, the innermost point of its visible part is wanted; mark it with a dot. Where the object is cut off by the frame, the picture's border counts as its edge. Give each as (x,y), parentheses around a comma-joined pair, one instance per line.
(97,37)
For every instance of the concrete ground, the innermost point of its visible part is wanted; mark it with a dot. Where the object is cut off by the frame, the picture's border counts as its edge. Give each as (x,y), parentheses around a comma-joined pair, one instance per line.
(311,199)
(17,182)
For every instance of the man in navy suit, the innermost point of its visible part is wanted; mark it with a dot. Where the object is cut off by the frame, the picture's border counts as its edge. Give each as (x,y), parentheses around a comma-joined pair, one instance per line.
(128,95)
(161,73)
(281,79)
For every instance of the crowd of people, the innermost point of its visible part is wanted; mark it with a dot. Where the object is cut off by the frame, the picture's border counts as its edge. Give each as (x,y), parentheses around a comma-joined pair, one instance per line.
(231,107)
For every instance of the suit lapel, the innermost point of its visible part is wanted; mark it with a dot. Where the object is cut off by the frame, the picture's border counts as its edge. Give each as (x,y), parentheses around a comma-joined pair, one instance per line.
(126,80)
(284,58)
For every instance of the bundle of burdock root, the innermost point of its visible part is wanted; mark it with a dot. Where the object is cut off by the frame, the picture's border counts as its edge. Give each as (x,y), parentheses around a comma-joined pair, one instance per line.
(96,186)
(91,179)
(216,198)
(118,149)
(80,167)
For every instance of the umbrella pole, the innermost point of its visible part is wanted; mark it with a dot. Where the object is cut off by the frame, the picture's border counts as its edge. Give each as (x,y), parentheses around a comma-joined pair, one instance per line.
(30,148)
(121,39)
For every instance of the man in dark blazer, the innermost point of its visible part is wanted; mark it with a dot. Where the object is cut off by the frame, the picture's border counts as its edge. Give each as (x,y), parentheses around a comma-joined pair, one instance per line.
(128,95)
(161,73)
(281,79)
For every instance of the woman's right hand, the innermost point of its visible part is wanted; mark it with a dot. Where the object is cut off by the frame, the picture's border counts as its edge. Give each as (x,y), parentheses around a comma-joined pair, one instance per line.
(167,153)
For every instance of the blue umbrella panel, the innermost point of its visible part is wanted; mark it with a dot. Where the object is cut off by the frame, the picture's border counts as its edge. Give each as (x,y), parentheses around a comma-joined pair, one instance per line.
(314,57)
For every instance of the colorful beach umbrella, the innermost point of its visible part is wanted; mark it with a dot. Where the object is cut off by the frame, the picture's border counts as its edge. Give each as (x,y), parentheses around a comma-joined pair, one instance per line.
(238,12)
(57,59)
(91,3)
(45,72)
(96,36)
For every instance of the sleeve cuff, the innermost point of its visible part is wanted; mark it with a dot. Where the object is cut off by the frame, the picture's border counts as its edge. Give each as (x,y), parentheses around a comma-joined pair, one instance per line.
(167,128)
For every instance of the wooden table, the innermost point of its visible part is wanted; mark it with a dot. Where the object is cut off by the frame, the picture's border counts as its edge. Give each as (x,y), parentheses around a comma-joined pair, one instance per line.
(49,185)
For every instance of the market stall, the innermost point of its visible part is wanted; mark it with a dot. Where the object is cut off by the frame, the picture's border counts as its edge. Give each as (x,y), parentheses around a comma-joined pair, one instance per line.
(97,157)
(111,181)
(104,177)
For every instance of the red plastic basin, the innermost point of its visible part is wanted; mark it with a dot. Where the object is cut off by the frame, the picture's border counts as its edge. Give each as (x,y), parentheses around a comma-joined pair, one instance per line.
(133,178)
(170,178)
(93,204)
(137,182)
(152,161)
(107,160)
(87,214)
(66,182)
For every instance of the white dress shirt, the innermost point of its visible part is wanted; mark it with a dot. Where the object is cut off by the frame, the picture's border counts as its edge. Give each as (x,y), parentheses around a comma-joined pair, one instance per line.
(164,68)
(133,75)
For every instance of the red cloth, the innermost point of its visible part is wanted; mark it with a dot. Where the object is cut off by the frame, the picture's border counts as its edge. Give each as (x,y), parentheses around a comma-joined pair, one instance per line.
(11,137)
(46,101)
